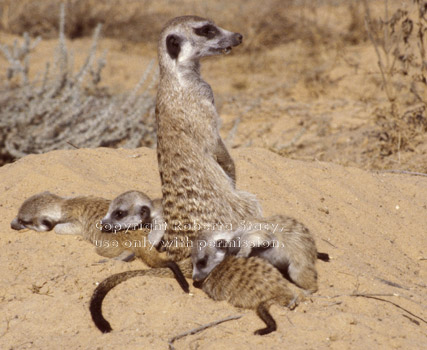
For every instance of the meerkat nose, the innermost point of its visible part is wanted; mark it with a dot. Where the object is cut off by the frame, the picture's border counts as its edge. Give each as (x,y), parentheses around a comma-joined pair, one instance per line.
(239,37)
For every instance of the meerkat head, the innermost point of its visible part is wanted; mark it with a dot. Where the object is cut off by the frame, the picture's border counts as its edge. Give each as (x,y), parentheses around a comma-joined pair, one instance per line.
(129,210)
(40,212)
(189,38)
(209,250)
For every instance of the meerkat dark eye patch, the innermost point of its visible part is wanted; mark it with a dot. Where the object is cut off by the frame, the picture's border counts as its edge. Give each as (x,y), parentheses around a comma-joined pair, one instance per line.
(145,213)
(119,214)
(201,264)
(173,45)
(209,31)
(47,223)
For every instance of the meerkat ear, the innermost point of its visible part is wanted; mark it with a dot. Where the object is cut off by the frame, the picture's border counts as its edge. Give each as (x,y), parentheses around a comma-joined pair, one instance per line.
(173,44)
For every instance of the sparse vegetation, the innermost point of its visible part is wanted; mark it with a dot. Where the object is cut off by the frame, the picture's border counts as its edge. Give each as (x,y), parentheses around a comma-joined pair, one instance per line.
(306,67)
(400,43)
(64,109)
(273,23)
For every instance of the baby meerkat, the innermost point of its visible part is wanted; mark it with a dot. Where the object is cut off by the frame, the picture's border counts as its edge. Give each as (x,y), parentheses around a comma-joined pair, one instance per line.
(46,211)
(284,242)
(76,216)
(81,215)
(132,210)
(250,283)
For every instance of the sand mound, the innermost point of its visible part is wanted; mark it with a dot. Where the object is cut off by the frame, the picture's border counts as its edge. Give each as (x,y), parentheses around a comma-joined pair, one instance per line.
(373,226)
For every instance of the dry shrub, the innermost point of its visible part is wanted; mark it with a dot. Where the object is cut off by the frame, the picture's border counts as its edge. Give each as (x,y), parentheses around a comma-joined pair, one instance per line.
(355,32)
(64,108)
(400,131)
(120,18)
(400,44)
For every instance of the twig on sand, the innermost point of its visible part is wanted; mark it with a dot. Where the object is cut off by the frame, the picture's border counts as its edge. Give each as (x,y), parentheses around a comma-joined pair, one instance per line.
(199,329)
(389,283)
(401,172)
(325,240)
(377,297)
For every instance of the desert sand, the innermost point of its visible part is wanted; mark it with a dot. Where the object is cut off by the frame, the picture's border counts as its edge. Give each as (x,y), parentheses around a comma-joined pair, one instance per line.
(304,113)
(372,224)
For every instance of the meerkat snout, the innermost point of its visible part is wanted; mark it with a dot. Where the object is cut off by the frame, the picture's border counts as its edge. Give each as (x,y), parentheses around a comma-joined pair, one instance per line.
(40,212)
(206,254)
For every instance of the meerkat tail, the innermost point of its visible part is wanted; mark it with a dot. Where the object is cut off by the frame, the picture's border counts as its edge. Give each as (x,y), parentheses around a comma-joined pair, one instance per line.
(323,256)
(102,290)
(109,283)
(264,314)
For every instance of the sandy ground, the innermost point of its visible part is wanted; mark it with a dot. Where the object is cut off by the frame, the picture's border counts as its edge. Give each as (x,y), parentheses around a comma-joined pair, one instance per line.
(314,105)
(372,224)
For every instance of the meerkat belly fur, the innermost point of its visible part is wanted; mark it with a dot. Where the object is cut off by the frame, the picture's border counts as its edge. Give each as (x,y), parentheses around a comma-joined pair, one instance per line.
(196,170)
(250,283)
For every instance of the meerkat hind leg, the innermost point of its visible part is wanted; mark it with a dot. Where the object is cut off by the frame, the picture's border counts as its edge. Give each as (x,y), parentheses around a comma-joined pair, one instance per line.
(304,277)
(254,241)
(69,228)
(125,256)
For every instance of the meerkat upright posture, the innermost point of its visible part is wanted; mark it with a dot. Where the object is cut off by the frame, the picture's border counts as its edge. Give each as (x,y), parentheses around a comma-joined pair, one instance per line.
(284,242)
(250,283)
(196,170)
(80,215)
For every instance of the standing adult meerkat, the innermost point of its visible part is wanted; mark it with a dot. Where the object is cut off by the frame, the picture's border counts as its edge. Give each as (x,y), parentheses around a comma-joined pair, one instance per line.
(282,241)
(80,215)
(196,170)
(250,283)
(197,173)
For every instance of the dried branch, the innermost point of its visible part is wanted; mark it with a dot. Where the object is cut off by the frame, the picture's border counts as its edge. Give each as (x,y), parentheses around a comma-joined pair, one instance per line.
(199,329)
(377,296)
(397,171)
